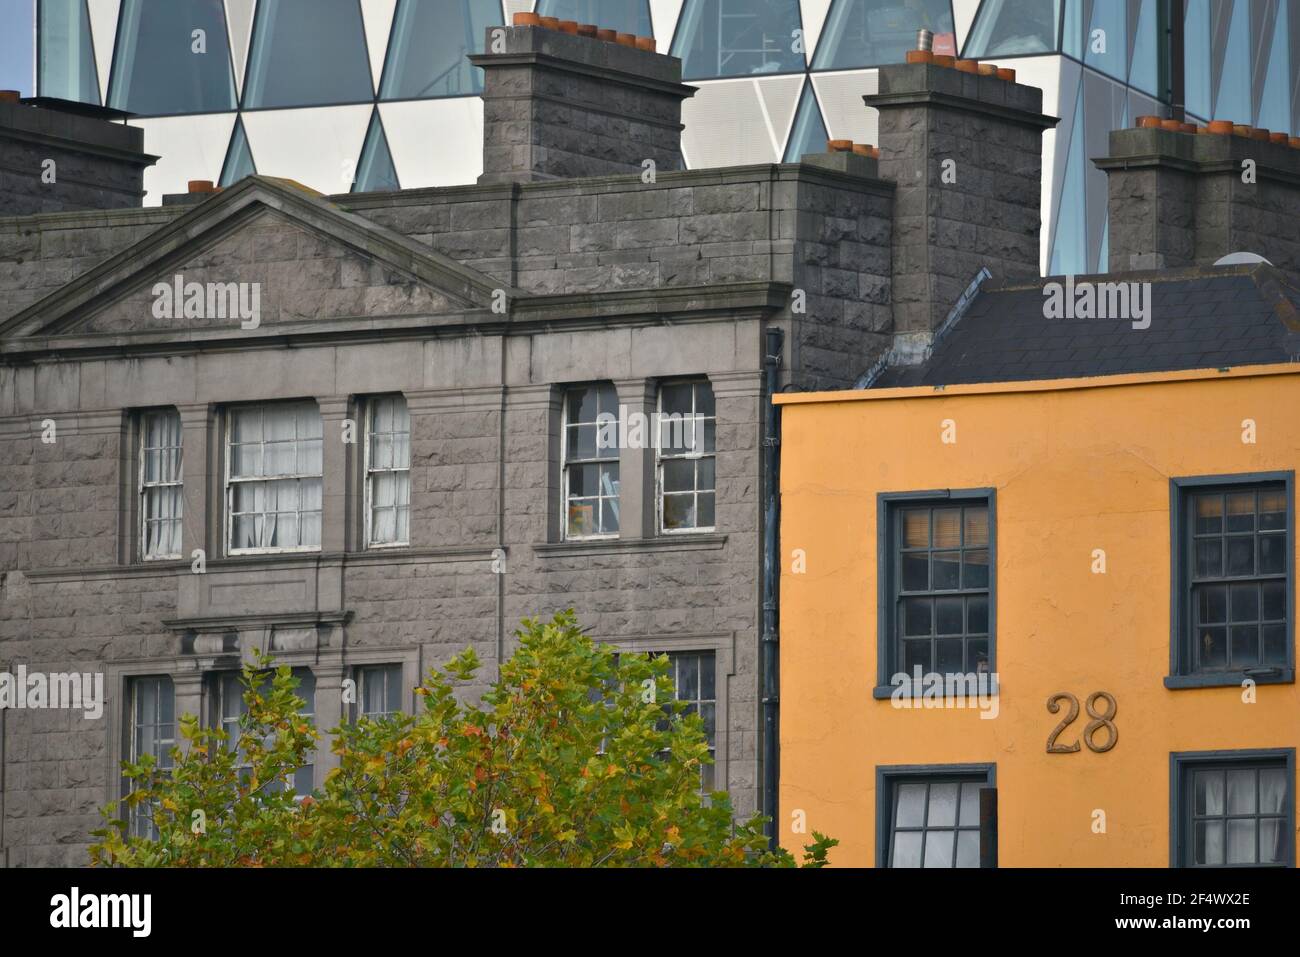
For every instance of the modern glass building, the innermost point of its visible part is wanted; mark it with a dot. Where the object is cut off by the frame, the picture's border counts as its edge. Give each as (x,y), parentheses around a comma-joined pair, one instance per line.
(373,94)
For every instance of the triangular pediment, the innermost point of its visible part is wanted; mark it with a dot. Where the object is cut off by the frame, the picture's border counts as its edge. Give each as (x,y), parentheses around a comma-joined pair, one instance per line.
(263,255)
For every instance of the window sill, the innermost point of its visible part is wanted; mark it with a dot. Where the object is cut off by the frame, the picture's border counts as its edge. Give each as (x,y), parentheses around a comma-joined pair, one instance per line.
(628,546)
(1229,679)
(887,692)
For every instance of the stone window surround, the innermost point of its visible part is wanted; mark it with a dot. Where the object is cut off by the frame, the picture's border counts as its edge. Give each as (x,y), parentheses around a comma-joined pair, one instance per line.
(723,647)
(192,679)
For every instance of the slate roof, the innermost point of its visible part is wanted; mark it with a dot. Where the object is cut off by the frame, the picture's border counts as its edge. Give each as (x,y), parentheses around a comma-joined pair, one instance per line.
(1201,318)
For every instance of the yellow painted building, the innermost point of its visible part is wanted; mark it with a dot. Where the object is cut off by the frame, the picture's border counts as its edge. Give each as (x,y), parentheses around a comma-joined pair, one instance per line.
(1132,535)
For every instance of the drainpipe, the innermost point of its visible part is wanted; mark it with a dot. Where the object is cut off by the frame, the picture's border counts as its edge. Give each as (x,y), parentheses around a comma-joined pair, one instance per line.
(771,578)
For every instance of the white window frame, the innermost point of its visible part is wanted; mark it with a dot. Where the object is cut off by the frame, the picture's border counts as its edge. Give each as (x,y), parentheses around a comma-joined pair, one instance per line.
(694,455)
(222,682)
(133,750)
(565,463)
(369,474)
(361,674)
(144,486)
(230,482)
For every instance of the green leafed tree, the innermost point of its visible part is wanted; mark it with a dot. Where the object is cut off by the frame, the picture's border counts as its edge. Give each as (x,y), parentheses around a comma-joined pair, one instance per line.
(575,757)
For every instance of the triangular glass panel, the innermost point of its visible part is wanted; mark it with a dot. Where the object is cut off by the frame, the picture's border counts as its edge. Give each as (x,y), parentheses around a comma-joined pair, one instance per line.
(307,53)
(429,45)
(809,132)
(717,38)
(625,16)
(1069,253)
(375,171)
(862,33)
(239,158)
(1106,43)
(1197,71)
(1013,28)
(1275,102)
(1233,100)
(173,56)
(65,54)
(1144,70)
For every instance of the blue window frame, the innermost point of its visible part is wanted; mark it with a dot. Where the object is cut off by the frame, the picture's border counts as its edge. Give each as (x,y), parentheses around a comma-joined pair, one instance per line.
(1232,808)
(1232,569)
(928,816)
(937,560)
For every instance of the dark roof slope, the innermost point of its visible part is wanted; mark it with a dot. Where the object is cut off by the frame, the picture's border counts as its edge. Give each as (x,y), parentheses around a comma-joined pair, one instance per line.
(1202,317)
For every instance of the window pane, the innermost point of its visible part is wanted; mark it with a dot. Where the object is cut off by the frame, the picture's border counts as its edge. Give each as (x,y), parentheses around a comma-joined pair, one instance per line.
(947,570)
(306,53)
(917,616)
(1272,554)
(1241,555)
(1209,514)
(916,654)
(430,45)
(947,527)
(1213,648)
(948,656)
(1208,792)
(1014,27)
(1272,510)
(916,571)
(968,849)
(911,805)
(977,527)
(1241,512)
(67,62)
(948,616)
(157,70)
(977,612)
(1241,842)
(716,39)
(943,805)
(1272,841)
(1241,791)
(975,569)
(1209,558)
(679,475)
(1208,838)
(916,528)
(1245,603)
(1272,790)
(907,849)
(1274,652)
(1245,645)
(970,804)
(706,517)
(1212,604)
(862,33)
(939,848)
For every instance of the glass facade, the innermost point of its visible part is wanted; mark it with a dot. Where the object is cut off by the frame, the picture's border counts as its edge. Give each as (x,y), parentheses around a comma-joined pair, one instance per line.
(719,38)
(66,56)
(429,44)
(307,53)
(376,170)
(172,56)
(239,158)
(862,33)
(1242,63)
(809,132)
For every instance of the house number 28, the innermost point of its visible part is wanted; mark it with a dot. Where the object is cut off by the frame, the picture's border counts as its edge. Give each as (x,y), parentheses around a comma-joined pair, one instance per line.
(1104,719)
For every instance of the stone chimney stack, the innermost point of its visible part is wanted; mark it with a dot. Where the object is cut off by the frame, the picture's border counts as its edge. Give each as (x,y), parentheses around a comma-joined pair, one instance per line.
(1180,195)
(562,101)
(963,144)
(57,156)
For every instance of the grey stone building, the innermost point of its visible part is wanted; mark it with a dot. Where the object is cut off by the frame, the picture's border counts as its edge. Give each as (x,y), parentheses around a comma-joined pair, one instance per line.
(358,431)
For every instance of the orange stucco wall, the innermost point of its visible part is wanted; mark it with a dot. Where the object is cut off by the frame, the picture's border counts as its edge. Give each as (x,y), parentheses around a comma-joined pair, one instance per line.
(1076,468)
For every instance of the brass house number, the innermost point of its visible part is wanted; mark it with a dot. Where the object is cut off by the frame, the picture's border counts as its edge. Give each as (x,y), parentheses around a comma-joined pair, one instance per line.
(1105,719)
